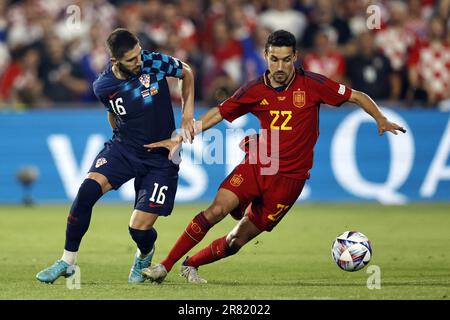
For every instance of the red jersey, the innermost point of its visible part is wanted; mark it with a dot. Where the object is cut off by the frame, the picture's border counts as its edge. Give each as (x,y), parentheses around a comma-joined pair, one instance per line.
(293,112)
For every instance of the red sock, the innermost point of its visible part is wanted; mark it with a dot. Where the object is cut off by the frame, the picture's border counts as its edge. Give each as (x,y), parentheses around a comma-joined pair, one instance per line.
(213,252)
(193,234)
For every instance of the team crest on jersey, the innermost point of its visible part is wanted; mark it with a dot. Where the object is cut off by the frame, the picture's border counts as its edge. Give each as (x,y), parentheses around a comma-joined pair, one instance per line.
(236,180)
(145,80)
(299,98)
(153,90)
(100,162)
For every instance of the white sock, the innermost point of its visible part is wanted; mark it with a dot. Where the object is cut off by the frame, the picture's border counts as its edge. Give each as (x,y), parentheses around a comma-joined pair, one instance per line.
(69,257)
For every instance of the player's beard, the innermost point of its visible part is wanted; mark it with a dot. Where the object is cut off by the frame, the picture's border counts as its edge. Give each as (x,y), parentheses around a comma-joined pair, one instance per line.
(280,77)
(127,72)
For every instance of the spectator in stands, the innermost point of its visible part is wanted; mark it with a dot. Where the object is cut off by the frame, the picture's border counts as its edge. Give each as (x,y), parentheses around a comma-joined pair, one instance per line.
(19,84)
(395,41)
(324,18)
(325,59)
(429,64)
(93,61)
(223,65)
(63,79)
(370,70)
(280,15)
(253,47)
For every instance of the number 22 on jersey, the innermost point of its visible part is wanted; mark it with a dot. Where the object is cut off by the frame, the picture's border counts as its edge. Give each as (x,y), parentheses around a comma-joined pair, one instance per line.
(280,119)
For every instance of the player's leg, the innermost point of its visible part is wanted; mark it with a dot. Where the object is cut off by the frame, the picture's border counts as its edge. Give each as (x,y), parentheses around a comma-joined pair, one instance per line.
(155,196)
(235,192)
(220,248)
(107,172)
(263,215)
(144,235)
(195,231)
(90,191)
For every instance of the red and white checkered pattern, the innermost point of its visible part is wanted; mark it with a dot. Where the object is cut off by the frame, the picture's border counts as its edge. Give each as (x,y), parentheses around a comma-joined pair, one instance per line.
(331,65)
(395,42)
(433,66)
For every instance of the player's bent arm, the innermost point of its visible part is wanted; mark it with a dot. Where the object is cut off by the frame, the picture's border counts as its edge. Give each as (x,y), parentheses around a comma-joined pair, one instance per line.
(112,120)
(187,90)
(369,106)
(187,102)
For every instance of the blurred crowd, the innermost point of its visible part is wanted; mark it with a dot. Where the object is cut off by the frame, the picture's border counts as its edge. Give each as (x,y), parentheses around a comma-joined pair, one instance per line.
(396,51)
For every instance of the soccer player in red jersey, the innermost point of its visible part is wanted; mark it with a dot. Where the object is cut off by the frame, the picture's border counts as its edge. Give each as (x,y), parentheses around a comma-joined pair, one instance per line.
(286,100)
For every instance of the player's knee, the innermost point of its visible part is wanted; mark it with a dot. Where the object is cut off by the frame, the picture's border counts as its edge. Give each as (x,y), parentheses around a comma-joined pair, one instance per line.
(142,235)
(89,193)
(215,213)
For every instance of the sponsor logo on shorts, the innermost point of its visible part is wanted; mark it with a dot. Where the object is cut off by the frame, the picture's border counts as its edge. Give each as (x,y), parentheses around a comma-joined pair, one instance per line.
(236,180)
(100,162)
(154,205)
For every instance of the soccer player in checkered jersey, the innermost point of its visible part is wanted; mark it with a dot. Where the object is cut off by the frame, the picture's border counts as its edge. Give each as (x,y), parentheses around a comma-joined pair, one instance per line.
(135,92)
(286,100)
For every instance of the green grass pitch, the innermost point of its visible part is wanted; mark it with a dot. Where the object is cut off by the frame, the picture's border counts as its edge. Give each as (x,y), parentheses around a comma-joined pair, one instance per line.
(410,246)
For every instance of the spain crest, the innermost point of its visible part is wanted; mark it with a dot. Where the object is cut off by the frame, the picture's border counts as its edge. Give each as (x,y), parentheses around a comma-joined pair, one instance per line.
(236,180)
(145,80)
(299,98)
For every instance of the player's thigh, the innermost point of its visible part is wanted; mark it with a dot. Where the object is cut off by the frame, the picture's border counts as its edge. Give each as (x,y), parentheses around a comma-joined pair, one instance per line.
(243,183)
(155,191)
(275,203)
(112,165)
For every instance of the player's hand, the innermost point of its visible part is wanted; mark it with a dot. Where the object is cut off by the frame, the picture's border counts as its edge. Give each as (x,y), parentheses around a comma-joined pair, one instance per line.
(385,125)
(187,129)
(173,145)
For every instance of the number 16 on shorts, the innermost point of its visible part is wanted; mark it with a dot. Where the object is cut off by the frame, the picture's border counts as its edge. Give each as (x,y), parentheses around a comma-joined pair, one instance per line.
(158,194)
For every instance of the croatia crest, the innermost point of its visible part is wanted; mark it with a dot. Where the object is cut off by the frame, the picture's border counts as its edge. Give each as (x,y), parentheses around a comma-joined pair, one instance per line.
(145,80)
(100,162)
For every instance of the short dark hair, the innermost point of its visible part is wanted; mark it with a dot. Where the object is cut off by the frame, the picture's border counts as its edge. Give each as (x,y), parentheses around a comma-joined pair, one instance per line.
(120,41)
(281,38)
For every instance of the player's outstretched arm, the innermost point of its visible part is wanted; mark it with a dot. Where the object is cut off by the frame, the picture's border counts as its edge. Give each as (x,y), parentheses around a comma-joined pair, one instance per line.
(206,121)
(383,123)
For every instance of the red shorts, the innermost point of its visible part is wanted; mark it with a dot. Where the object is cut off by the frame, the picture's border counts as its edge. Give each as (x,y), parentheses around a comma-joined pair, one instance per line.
(270,196)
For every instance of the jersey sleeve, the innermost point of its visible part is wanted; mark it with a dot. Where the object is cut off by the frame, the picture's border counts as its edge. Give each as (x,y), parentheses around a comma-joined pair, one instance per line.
(235,106)
(160,63)
(329,91)
(101,96)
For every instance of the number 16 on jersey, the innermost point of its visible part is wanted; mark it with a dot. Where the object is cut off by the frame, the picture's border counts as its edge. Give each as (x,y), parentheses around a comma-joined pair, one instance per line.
(117,106)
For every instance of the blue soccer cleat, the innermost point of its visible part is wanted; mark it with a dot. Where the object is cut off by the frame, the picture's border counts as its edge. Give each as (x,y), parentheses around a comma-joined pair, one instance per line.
(58,269)
(135,275)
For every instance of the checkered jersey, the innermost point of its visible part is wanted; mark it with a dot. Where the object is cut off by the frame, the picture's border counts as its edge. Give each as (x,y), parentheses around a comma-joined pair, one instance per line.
(161,64)
(141,103)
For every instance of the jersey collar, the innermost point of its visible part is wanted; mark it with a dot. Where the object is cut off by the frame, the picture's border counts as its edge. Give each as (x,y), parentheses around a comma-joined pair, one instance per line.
(267,81)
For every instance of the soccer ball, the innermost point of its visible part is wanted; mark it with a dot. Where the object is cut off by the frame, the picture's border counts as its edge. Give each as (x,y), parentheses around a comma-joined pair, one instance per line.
(351,251)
